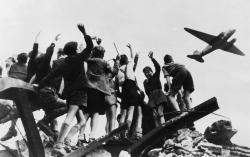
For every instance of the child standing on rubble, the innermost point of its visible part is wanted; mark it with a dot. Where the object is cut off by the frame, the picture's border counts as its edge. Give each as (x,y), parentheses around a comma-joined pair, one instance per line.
(74,85)
(181,78)
(130,96)
(152,85)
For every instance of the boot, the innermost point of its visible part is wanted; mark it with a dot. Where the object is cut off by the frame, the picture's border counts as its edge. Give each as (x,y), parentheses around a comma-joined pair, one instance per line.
(58,150)
(67,143)
(82,141)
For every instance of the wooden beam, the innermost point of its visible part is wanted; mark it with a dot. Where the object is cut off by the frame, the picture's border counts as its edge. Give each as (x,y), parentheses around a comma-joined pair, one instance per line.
(26,99)
(174,124)
(24,109)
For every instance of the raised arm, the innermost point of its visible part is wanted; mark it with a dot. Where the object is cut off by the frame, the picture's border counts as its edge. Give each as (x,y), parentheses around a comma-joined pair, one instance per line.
(156,64)
(136,61)
(133,58)
(49,52)
(131,51)
(34,51)
(32,56)
(98,41)
(89,44)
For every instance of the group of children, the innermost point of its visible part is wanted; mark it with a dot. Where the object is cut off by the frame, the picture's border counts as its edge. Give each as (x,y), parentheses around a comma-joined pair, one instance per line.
(91,87)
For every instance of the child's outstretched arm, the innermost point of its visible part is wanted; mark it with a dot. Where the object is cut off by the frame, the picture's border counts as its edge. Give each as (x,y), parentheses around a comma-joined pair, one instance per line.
(156,64)
(131,51)
(86,52)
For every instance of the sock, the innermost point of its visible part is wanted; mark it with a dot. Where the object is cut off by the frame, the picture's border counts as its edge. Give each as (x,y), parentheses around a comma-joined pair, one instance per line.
(73,131)
(63,132)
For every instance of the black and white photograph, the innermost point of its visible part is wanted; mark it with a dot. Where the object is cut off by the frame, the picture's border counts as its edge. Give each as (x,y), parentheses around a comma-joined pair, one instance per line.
(124,78)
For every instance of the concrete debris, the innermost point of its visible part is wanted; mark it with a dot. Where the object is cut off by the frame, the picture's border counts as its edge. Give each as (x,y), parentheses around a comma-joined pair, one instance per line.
(192,143)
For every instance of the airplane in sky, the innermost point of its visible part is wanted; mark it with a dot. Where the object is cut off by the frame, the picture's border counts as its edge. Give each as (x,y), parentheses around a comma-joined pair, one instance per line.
(214,43)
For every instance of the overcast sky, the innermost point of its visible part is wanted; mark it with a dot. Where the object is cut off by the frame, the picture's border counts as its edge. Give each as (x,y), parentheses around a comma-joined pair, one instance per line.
(147,25)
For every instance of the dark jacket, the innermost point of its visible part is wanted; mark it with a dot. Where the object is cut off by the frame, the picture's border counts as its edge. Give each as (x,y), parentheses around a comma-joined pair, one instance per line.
(97,75)
(31,69)
(43,64)
(57,81)
(72,70)
(18,71)
(153,82)
(172,69)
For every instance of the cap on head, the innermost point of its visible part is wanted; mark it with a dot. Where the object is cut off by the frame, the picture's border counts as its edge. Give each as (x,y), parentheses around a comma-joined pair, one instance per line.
(70,48)
(168,59)
(22,58)
(98,52)
(123,59)
(147,68)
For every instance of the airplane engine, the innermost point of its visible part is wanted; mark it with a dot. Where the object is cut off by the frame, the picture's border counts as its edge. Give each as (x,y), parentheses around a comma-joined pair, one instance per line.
(221,35)
(232,41)
(229,44)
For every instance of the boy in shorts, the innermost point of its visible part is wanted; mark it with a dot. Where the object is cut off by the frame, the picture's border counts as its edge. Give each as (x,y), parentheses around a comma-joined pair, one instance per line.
(152,85)
(74,85)
(181,78)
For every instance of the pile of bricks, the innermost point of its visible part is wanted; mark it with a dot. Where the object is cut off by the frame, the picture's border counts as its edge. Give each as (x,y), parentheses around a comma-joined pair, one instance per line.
(190,143)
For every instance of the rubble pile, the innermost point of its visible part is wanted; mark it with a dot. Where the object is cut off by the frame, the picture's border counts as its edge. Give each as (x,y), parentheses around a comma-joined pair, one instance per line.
(190,143)
(186,143)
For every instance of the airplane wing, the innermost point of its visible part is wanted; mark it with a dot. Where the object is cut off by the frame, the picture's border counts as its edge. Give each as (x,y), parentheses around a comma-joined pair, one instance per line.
(203,36)
(235,50)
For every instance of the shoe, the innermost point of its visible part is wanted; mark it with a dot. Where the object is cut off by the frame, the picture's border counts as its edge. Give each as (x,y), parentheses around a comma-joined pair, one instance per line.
(58,150)
(67,143)
(91,140)
(136,136)
(11,133)
(81,142)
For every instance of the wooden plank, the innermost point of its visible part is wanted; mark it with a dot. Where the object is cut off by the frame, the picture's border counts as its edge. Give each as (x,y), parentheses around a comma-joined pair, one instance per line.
(26,99)
(24,109)
(95,144)
(174,124)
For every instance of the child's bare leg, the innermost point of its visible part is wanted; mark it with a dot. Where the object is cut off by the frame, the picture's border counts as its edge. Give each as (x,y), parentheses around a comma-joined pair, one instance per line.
(94,125)
(68,120)
(155,114)
(80,122)
(187,99)
(82,129)
(123,116)
(130,115)
(107,122)
(111,118)
(138,124)
(173,102)
(161,114)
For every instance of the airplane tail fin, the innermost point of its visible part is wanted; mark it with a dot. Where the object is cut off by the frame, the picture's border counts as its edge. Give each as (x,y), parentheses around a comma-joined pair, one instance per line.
(196,56)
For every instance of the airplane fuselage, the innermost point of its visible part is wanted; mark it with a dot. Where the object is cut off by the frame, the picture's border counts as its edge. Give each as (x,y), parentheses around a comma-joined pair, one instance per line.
(219,42)
(214,42)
